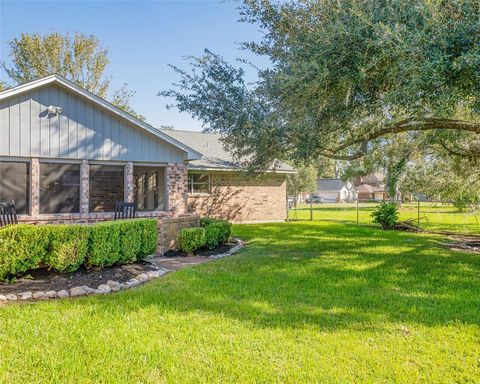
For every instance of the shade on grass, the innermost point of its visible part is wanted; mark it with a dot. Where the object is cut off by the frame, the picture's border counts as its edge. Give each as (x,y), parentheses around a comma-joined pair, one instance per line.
(304,302)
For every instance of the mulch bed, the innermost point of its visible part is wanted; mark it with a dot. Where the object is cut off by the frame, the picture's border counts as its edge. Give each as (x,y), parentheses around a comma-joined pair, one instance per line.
(44,280)
(222,248)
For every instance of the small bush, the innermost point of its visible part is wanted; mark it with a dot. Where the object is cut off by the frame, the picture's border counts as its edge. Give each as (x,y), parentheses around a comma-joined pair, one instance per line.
(191,239)
(68,246)
(22,247)
(130,235)
(149,237)
(104,244)
(224,227)
(386,214)
(121,242)
(467,201)
(212,235)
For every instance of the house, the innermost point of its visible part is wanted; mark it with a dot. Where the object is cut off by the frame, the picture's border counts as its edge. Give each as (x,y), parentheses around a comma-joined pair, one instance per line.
(336,190)
(218,187)
(371,187)
(67,155)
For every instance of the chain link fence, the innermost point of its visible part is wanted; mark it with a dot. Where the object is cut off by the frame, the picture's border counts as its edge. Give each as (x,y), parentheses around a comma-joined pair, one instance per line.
(434,216)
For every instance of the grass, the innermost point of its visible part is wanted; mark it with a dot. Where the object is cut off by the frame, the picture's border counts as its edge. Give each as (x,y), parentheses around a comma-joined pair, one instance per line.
(433,216)
(304,302)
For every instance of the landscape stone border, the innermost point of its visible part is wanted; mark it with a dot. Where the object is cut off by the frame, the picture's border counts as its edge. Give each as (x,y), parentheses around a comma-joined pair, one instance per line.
(109,287)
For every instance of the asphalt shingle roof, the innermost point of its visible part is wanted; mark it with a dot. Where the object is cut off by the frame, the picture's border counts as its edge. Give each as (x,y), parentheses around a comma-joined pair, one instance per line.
(214,155)
(330,184)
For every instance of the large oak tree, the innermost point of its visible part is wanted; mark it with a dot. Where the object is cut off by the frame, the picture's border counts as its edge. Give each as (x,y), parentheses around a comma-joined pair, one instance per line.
(344,75)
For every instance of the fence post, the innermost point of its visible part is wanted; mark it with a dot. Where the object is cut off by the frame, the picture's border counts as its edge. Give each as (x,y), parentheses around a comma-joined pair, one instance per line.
(418,215)
(357,212)
(311,209)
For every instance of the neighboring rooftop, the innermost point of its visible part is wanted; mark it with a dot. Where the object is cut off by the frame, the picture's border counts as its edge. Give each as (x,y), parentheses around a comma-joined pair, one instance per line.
(329,184)
(376,178)
(215,157)
(367,188)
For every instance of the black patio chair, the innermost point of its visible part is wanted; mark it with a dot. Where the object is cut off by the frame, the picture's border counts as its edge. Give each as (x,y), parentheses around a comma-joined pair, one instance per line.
(8,214)
(124,210)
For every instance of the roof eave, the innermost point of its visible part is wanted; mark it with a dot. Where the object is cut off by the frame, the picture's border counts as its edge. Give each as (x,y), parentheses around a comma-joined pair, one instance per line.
(191,153)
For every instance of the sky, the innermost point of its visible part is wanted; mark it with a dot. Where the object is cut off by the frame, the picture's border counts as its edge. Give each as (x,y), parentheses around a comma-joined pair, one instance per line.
(142,38)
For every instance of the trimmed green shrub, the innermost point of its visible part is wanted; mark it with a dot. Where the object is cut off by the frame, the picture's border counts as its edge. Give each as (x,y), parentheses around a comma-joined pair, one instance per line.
(149,238)
(386,214)
(191,239)
(104,244)
(68,246)
(212,235)
(130,233)
(224,227)
(22,247)
(121,242)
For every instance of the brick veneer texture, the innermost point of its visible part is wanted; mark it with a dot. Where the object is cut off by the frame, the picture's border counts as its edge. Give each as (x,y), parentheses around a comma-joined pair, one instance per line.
(176,180)
(106,187)
(242,199)
(84,186)
(35,186)
(129,182)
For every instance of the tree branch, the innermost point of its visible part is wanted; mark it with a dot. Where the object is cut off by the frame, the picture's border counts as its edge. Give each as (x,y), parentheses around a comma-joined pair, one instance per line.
(413,125)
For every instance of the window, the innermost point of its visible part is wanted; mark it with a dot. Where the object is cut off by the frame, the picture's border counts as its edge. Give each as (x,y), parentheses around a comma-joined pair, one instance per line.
(15,185)
(106,187)
(59,188)
(149,188)
(199,183)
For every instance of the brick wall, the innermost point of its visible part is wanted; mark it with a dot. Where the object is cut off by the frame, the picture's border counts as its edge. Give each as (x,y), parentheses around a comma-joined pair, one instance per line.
(106,187)
(239,198)
(176,183)
(169,228)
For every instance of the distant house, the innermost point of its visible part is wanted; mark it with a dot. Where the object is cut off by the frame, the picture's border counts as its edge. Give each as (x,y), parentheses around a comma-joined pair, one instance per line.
(371,187)
(336,190)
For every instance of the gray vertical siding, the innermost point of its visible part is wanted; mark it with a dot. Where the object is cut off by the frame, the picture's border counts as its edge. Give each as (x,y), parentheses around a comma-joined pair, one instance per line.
(83,131)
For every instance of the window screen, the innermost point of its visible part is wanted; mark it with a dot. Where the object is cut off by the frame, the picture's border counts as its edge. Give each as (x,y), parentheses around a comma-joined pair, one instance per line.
(106,187)
(59,188)
(149,188)
(14,184)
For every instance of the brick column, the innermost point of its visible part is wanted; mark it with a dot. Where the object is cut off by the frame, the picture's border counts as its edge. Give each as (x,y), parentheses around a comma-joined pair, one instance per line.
(176,180)
(84,187)
(129,182)
(35,186)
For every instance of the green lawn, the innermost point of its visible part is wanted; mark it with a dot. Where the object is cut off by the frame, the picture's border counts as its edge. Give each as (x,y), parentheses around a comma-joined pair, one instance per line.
(305,302)
(433,216)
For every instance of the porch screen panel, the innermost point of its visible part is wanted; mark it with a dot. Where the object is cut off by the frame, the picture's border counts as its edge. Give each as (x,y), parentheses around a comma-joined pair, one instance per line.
(106,187)
(149,188)
(15,185)
(59,188)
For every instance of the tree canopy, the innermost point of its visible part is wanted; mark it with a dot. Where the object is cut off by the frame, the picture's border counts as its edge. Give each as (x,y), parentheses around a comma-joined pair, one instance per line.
(344,75)
(79,58)
(122,98)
